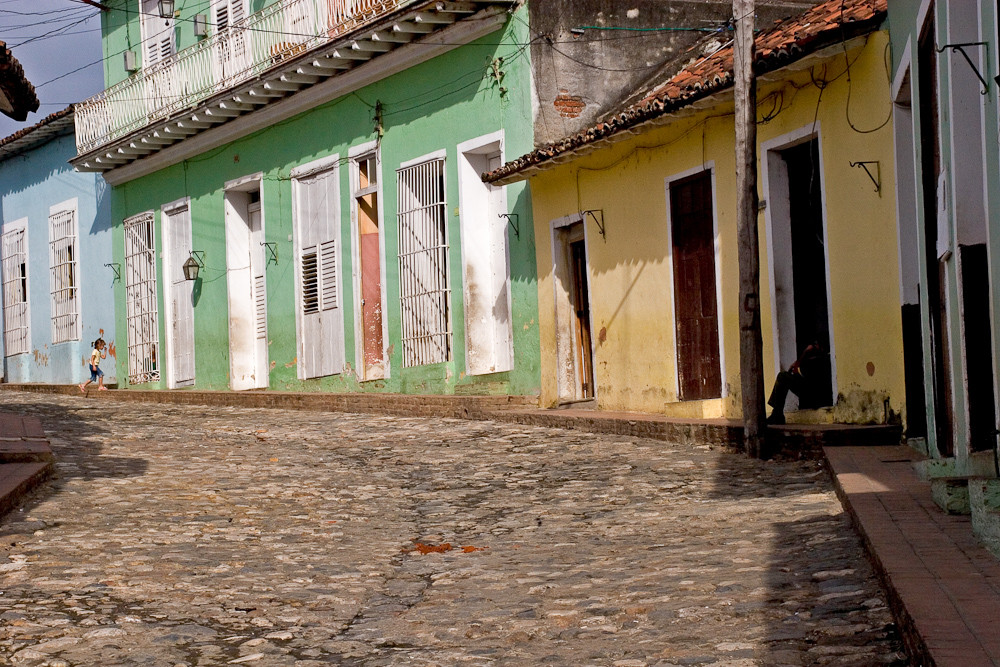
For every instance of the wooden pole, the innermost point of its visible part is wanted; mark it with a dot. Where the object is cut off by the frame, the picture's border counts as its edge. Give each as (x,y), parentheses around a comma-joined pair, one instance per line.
(748,250)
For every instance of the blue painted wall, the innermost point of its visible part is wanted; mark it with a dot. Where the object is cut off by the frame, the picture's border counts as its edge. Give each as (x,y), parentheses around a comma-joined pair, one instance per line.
(29,184)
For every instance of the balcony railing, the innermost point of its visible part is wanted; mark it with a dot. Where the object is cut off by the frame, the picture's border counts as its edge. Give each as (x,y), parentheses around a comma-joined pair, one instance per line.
(224,60)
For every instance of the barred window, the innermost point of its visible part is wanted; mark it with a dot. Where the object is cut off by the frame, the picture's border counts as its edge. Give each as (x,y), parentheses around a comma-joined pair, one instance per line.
(423,263)
(63,279)
(141,319)
(16,337)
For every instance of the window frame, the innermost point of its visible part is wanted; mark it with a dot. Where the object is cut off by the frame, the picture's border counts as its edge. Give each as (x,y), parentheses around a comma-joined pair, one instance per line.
(19,226)
(65,305)
(420,334)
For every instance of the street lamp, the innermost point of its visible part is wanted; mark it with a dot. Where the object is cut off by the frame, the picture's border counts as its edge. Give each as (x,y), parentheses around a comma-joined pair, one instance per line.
(192,265)
(166,8)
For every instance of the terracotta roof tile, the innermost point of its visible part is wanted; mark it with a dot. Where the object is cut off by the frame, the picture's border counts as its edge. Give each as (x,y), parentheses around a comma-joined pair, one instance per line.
(826,23)
(15,86)
(47,128)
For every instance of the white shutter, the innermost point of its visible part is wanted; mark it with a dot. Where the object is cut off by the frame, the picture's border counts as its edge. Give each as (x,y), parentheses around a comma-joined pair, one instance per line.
(260,307)
(178,244)
(157,34)
(317,228)
(328,274)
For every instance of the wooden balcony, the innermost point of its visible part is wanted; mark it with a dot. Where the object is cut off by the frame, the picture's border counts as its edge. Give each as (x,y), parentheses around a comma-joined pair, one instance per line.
(270,55)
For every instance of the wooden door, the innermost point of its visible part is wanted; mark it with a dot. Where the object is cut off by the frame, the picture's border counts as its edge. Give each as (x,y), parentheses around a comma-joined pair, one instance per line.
(580,298)
(317,228)
(695,304)
(370,254)
(258,262)
(181,306)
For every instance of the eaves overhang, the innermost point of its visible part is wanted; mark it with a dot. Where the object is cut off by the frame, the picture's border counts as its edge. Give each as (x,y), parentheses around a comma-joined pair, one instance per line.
(386,45)
(54,125)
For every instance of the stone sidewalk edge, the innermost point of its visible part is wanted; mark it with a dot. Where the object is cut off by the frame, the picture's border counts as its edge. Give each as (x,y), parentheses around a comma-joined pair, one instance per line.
(503,408)
(18,480)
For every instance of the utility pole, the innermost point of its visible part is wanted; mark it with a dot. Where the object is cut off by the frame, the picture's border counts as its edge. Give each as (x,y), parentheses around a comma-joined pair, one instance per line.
(748,247)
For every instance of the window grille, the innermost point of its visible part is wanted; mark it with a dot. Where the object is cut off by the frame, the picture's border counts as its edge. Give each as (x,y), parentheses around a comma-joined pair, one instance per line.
(63,279)
(142,323)
(16,339)
(423,263)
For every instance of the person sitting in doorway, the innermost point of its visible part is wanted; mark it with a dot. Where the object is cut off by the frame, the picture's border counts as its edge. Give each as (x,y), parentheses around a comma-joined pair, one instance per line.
(805,378)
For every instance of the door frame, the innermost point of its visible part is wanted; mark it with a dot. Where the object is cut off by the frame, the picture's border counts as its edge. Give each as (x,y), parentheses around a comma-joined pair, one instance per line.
(474,197)
(772,162)
(567,388)
(239,223)
(355,152)
(717,245)
(167,212)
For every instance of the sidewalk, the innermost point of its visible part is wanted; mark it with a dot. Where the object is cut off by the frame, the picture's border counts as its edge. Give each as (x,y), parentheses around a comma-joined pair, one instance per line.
(943,586)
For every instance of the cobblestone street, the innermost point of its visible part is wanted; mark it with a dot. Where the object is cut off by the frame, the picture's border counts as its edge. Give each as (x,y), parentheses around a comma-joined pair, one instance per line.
(209,536)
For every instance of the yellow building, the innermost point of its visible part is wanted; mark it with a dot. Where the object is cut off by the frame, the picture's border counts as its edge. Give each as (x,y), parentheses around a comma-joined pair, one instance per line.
(635,221)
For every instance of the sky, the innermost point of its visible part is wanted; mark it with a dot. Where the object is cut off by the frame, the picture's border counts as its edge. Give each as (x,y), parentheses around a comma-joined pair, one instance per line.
(52,38)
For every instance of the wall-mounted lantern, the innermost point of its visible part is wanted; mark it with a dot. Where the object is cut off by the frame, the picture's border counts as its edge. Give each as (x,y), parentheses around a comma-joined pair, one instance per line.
(166,8)
(193,264)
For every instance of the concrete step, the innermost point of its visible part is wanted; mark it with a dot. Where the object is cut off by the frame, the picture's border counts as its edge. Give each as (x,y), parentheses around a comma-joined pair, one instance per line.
(17,480)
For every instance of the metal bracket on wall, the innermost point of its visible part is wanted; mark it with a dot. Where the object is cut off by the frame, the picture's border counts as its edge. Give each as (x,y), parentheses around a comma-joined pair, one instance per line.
(594,213)
(514,222)
(876,177)
(961,49)
(117,268)
(272,250)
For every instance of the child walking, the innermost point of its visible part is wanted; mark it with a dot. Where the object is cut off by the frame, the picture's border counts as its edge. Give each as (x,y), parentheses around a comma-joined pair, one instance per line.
(96,374)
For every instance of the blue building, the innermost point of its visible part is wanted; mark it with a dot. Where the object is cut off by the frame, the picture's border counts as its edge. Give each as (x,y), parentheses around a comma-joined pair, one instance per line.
(55,258)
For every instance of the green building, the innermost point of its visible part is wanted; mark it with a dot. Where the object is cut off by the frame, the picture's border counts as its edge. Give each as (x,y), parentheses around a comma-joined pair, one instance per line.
(317,164)
(945,118)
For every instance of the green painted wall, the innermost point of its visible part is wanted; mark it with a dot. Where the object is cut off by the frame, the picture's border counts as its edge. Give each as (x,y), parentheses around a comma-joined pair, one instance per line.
(905,32)
(432,106)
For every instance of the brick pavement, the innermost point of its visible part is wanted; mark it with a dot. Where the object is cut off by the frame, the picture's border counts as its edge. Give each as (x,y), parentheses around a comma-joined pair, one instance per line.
(182,535)
(944,585)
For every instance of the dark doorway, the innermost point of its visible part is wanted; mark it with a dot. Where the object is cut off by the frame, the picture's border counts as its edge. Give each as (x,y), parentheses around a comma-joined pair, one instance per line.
(978,346)
(930,168)
(580,300)
(695,305)
(812,316)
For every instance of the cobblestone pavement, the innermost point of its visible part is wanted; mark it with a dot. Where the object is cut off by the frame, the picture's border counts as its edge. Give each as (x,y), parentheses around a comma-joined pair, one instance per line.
(212,536)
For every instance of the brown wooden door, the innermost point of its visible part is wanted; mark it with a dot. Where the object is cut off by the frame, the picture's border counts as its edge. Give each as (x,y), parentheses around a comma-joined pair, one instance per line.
(366,203)
(581,321)
(695,305)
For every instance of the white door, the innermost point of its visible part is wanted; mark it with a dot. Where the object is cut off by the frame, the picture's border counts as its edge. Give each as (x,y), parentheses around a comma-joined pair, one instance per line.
(317,243)
(245,268)
(180,304)
(258,263)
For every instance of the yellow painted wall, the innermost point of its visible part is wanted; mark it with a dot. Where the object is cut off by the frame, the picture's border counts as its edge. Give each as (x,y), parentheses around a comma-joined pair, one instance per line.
(630,272)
